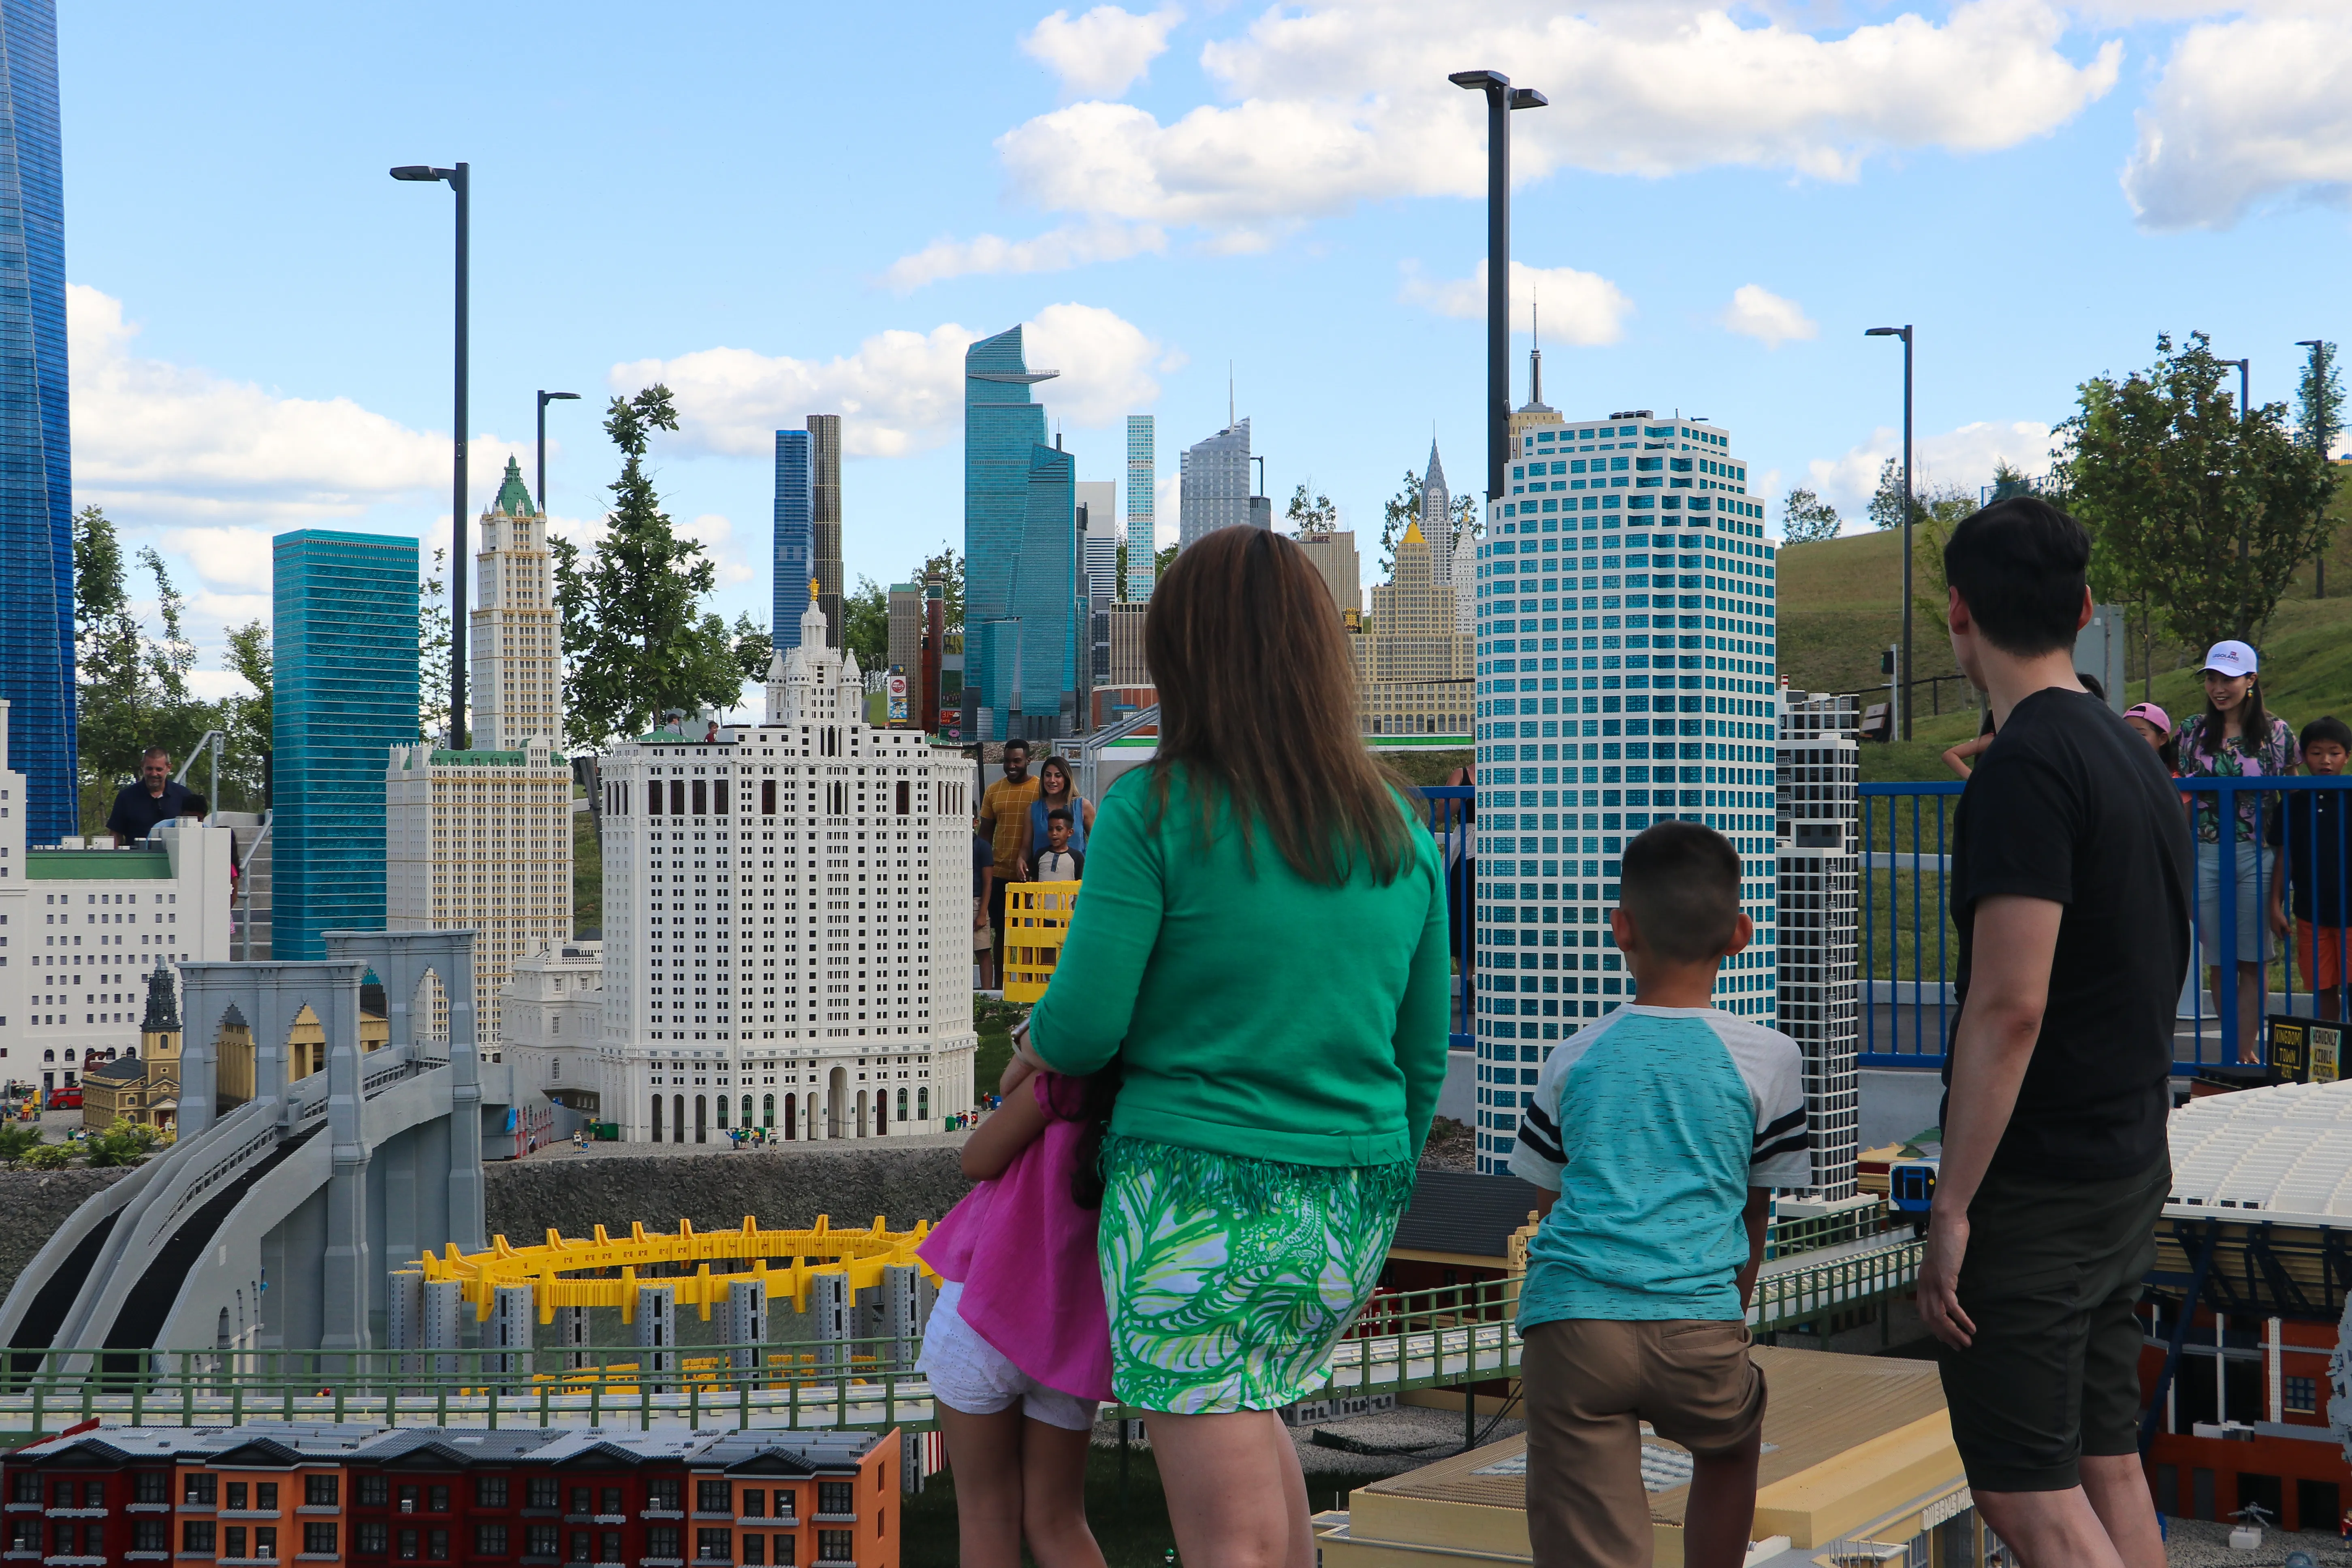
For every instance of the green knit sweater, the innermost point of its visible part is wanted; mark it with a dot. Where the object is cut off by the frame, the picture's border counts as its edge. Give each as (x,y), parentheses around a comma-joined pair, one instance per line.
(1253,1013)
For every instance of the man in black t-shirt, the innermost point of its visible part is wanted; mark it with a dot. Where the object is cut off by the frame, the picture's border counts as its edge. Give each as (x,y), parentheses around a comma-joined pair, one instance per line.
(154,798)
(2070,887)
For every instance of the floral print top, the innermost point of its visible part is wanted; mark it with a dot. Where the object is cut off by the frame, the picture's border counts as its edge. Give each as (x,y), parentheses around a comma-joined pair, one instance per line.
(2204,757)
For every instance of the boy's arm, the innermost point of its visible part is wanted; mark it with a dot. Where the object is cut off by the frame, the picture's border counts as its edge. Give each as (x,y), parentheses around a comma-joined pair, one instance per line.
(1758,1209)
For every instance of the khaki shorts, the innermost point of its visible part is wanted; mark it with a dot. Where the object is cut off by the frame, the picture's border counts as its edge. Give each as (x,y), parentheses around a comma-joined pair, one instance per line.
(1590,1383)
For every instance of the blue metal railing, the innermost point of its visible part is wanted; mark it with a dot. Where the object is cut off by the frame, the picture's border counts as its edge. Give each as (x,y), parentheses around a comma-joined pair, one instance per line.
(1909,952)
(1449,808)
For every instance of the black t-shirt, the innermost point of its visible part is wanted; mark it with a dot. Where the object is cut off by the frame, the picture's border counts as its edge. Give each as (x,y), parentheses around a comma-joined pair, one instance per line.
(136,812)
(2069,805)
(2309,826)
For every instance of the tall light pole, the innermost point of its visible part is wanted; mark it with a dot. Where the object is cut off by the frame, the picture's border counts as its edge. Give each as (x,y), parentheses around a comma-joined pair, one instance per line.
(1905,334)
(2322,437)
(2245,377)
(1501,98)
(458,634)
(544,399)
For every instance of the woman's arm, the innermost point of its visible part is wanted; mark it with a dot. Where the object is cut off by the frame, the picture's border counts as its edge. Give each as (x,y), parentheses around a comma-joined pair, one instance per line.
(1956,758)
(1087,807)
(1003,1135)
(1420,1041)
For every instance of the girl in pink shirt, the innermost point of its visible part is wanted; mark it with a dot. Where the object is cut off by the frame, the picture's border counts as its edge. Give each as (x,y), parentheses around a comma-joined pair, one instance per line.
(1018,1348)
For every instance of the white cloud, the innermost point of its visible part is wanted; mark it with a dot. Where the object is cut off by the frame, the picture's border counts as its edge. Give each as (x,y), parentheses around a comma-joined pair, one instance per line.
(1347,100)
(1966,455)
(227,557)
(177,441)
(1576,307)
(1072,245)
(1101,53)
(218,685)
(901,391)
(716,534)
(2245,110)
(1757,312)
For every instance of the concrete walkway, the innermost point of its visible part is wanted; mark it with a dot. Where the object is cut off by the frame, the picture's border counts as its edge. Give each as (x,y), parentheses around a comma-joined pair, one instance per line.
(562,1151)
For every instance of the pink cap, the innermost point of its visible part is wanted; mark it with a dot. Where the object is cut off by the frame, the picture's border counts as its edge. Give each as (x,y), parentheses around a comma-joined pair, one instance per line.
(2150,712)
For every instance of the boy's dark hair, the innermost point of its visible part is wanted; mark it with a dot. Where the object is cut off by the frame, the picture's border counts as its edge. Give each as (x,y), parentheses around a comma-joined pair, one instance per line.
(195,805)
(1682,889)
(2327,728)
(1088,1099)
(1058,815)
(2019,565)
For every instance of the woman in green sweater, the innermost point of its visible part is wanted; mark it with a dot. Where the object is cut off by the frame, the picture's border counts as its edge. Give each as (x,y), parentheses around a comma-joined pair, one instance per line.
(1261,947)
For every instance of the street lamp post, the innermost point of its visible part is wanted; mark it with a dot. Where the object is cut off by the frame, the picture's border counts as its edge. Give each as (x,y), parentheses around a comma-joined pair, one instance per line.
(544,399)
(2321,438)
(457,179)
(1905,334)
(2245,377)
(1501,98)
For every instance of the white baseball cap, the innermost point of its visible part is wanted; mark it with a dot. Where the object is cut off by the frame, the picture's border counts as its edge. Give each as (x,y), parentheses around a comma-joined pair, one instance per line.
(2232,658)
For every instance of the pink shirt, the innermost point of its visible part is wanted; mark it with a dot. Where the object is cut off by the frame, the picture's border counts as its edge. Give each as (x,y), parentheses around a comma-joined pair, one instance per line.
(1025,1254)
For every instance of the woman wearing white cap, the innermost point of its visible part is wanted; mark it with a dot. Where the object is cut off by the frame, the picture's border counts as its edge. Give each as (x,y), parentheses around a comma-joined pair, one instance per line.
(2235,737)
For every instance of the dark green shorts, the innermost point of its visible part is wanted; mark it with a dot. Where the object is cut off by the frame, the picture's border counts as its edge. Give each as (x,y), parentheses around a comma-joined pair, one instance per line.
(2050,1280)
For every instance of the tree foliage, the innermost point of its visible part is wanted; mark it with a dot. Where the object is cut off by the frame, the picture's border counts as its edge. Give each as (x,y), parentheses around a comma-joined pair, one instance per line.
(636,641)
(1313,515)
(18,1139)
(123,1143)
(132,676)
(1404,509)
(865,624)
(1806,518)
(1886,501)
(2319,399)
(2205,510)
(433,656)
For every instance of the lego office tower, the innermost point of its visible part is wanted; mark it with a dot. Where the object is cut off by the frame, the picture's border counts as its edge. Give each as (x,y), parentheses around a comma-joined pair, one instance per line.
(1625,676)
(1820,883)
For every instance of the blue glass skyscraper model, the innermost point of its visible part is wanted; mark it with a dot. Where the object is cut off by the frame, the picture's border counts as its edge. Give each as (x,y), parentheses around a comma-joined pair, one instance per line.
(343,692)
(37,597)
(1023,617)
(1626,641)
(796,536)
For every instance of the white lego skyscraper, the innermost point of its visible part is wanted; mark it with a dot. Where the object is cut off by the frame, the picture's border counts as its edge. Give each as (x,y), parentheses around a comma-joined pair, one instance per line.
(1819,827)
(1625,675)
(787,920)
(517,636)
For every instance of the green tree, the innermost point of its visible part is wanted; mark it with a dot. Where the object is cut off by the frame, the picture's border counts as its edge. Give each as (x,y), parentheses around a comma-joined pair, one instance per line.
(2319,399)
(752,645)
(1404,509)
(1806,518)
(132,684)
(866,624)
(1886,501)
(18,1139)
(1311,516)
(2207,510)
(123,1143)
(247,720)
(47,1157)
(1161,561)
(433,657)
(948,563)
(636,642)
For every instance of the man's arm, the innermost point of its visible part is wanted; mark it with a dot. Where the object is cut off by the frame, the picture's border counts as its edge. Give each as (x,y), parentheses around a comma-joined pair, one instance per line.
(2009,986)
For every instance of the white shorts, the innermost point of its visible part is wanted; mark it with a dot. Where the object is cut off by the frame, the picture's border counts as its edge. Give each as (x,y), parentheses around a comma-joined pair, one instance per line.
(972,1375)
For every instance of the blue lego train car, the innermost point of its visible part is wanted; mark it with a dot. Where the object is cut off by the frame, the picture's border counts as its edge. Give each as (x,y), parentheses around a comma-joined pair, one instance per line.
(1911,1188)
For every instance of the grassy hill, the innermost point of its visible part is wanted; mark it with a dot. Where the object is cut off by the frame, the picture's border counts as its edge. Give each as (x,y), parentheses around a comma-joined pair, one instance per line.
(1841,604)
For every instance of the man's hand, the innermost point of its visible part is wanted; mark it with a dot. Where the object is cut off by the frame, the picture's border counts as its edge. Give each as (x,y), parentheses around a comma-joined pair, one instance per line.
(979,913)
(1939,1280)
(2278,913)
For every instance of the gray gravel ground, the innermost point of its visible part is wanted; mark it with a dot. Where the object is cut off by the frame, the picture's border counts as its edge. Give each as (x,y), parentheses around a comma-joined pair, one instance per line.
(2199,1544)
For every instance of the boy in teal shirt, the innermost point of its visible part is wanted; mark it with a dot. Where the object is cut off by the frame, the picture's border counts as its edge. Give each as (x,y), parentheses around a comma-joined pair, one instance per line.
(1660,1131)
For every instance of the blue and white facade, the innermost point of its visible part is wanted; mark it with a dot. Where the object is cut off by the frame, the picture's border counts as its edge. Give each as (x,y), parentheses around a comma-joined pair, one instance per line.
(36,589)
(795,549)
(1625,618)
(1142,527)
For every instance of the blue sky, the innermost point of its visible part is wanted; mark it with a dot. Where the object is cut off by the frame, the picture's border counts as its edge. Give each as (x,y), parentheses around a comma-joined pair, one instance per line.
(786,210)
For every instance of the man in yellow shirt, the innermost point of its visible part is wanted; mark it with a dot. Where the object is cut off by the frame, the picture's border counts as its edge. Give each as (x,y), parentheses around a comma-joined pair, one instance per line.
(1004,819)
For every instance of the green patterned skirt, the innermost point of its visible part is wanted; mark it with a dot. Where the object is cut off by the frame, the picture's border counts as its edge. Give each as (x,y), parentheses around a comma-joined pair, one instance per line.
(1228,1280)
